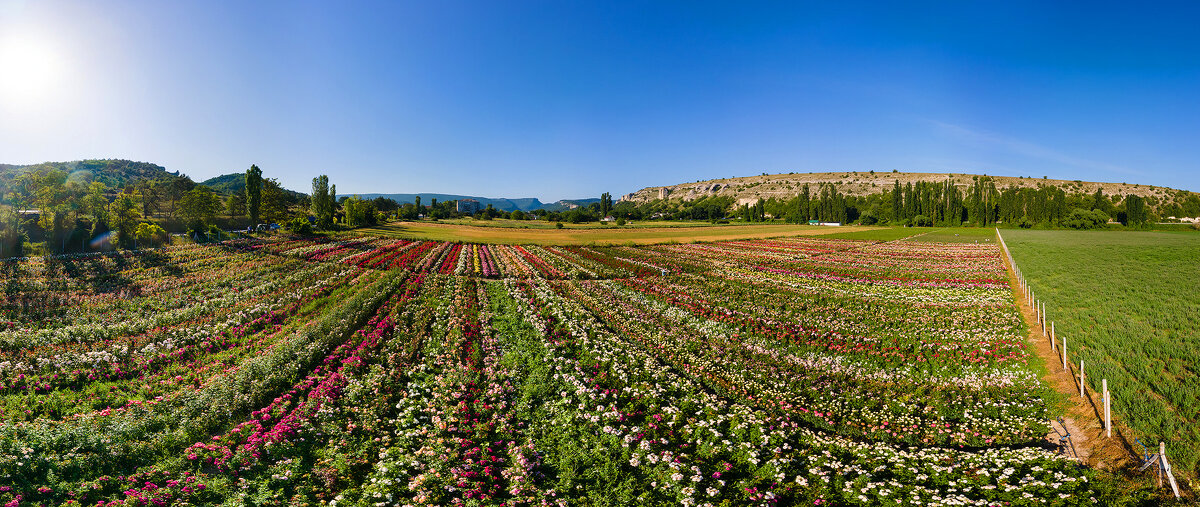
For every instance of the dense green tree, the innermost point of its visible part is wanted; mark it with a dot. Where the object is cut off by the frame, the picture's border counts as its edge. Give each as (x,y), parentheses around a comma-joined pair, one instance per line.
(275,200)
(254,192)
(322,202)
(605,204)
(148,234)
(123,214)
(152,192)
(803,210)
(1135,210)
(94,203)
(359,212)
(199,208)
(12,236)
(897,199)
(235,205)
(389,204)
(1086,219)
(173,192)
(56,202)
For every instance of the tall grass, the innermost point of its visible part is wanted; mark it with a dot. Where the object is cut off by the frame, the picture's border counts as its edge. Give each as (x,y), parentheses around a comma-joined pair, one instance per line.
(1129,305)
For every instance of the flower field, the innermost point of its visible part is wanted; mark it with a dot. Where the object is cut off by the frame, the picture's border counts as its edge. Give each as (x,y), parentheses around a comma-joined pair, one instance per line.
(380,371)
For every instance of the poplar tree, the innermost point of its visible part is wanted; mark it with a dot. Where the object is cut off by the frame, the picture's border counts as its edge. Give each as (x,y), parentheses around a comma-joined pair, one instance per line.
(322,206)
(897,202)
(254,192)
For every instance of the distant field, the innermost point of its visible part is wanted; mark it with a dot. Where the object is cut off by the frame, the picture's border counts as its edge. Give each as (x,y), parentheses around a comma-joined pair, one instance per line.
(542,224)
(959,235)
(594,234)
(922,234)
(1127,302)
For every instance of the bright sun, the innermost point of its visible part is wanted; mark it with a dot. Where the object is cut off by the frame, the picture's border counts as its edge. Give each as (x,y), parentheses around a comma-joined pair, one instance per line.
(31,72)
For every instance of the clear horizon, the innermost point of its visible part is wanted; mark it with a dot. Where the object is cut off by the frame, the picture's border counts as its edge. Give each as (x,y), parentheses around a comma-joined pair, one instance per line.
(559,101)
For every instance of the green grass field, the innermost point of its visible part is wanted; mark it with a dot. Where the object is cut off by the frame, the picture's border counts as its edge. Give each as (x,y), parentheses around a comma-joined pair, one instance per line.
(925,234)
(593,234)
(1128,304)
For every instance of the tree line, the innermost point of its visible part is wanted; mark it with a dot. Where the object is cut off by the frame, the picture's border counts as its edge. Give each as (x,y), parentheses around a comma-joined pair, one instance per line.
(925,204)
(61,213)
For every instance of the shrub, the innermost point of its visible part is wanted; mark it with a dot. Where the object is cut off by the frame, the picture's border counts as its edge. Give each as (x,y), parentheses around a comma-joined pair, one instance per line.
(151,235)
(1086,219)
(197,230)
(298,226)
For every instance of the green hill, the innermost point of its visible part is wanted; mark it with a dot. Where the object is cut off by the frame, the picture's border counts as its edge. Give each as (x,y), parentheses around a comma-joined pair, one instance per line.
(227,183)
(114,173)
(235,183)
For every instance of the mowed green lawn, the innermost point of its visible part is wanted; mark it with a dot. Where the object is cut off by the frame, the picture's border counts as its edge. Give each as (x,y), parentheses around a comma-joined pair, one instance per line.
(593,235)
(1129,305)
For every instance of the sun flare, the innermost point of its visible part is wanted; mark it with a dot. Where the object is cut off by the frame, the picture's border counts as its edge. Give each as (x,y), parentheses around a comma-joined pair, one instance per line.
(31,72)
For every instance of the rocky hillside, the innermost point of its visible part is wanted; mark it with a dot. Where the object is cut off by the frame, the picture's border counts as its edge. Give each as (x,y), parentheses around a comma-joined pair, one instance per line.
(785,186)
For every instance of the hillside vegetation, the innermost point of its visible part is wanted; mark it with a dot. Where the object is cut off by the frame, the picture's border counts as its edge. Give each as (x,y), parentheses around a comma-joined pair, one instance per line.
(113,173)
(235,184)
(749,189)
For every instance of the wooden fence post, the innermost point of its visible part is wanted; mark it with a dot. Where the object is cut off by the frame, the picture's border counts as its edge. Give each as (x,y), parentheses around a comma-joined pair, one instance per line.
(1107,412)
(1166,468)
(1081,380)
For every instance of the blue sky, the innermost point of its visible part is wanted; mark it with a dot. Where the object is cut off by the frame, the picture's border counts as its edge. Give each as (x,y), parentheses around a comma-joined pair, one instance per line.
(570,99)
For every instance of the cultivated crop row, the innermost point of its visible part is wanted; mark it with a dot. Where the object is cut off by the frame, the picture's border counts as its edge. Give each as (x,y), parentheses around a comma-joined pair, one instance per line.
(393,372)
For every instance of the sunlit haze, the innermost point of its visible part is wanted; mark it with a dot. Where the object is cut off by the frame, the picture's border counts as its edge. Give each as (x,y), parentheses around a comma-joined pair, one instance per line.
(570,99)
(33,70)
